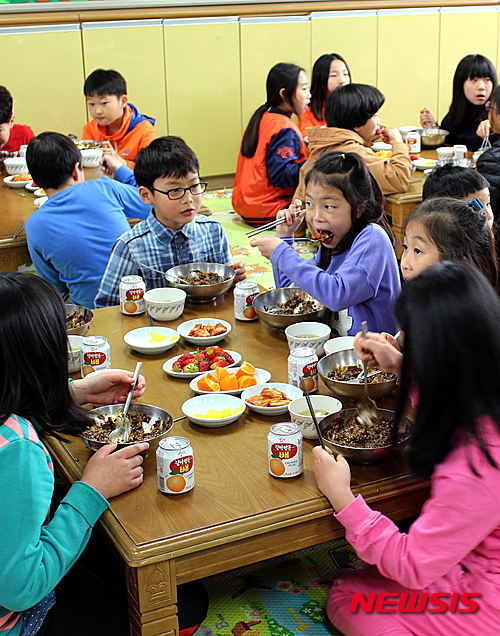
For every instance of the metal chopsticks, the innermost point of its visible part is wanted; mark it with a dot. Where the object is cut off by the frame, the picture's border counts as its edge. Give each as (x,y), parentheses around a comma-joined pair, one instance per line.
(269,226)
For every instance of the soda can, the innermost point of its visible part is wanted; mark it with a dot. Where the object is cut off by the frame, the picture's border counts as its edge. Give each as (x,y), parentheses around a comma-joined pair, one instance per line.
(244,293)
(413,141)
(95,354)
(175,465)
(285,450)
(132,290)
(303,362)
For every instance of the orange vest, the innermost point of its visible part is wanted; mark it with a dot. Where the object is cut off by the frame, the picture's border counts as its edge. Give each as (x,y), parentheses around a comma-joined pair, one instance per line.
(254,196)
(308,120)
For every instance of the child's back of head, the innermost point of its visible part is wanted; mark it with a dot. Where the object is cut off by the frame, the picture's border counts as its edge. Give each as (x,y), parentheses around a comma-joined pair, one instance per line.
(6,105)
(352,105)
(101,82)
(164,157)
(453,181)
(51,159)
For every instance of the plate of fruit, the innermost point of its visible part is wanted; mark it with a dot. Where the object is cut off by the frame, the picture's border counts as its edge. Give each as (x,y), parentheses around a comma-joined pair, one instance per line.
(229,380)
(194,363)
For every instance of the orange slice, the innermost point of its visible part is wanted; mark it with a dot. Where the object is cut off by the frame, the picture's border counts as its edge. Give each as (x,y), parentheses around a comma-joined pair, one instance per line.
(221,372)
(229,383)
(246,380)
(246,369)
(208,383)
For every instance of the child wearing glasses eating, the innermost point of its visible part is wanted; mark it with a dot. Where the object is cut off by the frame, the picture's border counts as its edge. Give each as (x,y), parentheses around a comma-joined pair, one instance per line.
(167,173)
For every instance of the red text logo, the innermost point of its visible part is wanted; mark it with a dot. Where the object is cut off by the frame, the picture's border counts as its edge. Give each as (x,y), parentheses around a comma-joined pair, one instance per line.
(414,602)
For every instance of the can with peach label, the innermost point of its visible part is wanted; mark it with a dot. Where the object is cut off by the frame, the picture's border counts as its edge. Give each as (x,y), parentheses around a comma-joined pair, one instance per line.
(285,450)
(244,293)
(132,290)
(175,465)
(303,362)
(95,354)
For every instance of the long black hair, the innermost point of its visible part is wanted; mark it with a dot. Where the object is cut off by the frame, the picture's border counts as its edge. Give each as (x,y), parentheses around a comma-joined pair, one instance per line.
(319,82)
(34,355)
(469,67)
(450,317)
(459,232)
(281,76)
(348,173)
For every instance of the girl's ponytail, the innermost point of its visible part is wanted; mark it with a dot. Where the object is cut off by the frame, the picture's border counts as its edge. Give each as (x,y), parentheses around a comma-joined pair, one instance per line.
(251,136)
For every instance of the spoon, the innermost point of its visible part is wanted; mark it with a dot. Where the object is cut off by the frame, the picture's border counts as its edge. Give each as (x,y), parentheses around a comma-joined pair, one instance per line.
(311,411)
(360,378)
(367,409)
(122,430)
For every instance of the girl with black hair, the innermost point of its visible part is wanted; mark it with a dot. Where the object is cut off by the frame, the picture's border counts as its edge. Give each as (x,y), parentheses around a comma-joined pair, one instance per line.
(448,562)
(351,114)
(272,149)
(467,120)
(355,273)
(488,163)
(329,72)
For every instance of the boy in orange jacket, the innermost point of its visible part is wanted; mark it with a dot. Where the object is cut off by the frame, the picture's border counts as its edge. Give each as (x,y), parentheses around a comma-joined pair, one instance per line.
(114,121)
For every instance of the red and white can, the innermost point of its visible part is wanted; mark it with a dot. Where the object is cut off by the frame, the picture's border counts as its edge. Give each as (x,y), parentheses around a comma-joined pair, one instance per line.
(303,362)
(175,465)
(95,354)
(132,290)
(285,450)
(413,141)
(244,293)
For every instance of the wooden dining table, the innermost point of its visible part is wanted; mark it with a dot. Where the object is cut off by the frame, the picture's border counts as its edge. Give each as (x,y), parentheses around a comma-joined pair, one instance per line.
(237,513)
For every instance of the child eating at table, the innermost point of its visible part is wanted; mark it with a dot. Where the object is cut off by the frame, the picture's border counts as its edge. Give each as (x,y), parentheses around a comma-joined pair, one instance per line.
(448,562)
(352,119)
(115,121)
(467,120)
(488,164)
(272,149)
(355,272)
(167,173)
(12,135)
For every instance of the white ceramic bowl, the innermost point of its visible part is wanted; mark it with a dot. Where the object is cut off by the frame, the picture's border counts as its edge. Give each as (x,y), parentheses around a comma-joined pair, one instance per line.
(15,184)
(91,157)
(40,201)
(22,150)
(74,344)
(299,412)
(292,392)
(261,375)
(165,303)
(341,343)
(140,339)
(197,409)
(308,334)
(16,165)
(185,327)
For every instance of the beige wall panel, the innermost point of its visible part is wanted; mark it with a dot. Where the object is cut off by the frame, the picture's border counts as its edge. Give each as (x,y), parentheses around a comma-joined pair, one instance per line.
(461,35)
(203,91)
(264,44)
(409,82)
(47,89)
(354,36)
(137,53)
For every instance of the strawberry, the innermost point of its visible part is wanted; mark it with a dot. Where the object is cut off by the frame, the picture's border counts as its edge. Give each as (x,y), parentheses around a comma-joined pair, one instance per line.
(210,353)
(183,358)
(200,356)
(217,349)
(204,365)
(191,368)
(414,157)
(228,357)
(219,363)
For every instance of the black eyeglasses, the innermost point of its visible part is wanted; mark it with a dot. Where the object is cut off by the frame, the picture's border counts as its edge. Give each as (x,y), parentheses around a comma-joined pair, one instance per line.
(490,107)
(178,193)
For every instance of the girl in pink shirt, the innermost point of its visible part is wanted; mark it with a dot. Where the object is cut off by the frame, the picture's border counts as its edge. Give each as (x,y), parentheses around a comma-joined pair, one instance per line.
(448,565)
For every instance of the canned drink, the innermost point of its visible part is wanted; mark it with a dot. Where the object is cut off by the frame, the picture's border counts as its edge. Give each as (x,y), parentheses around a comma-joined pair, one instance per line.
(175,465)
(132,290)
(244,293)
(95,354)
(303,362)
(285,450)
(413,141)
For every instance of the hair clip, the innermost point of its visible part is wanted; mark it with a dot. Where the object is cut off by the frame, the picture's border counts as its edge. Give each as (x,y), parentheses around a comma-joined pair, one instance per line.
(476,205)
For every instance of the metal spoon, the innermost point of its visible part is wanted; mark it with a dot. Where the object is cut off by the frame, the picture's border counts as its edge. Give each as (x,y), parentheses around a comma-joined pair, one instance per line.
(367,408)
(311,411)
(122,430)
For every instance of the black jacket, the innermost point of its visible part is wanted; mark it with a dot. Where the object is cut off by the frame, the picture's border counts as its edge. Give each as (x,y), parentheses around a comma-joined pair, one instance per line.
(465,132)
(488,165)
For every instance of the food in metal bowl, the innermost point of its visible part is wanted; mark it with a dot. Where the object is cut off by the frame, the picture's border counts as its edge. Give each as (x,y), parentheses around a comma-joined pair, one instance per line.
(273,307)
(202,282)
(88,144)
(197,277)
(347,431)
(345,373)
(432,137)
(299,303)
(78,320)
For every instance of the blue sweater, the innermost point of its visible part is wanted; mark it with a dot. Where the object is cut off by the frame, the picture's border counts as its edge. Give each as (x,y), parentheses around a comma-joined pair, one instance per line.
(70,237)
(359,284)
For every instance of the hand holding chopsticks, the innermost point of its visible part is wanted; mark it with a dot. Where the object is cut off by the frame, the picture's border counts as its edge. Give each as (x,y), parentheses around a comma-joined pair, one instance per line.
(292,216)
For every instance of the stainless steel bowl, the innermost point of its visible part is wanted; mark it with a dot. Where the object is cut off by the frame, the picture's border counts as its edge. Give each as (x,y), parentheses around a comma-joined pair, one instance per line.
(351,390)
(364,455)
(282,321)
(87,314)
(201,293)
(432,137)
(134,408)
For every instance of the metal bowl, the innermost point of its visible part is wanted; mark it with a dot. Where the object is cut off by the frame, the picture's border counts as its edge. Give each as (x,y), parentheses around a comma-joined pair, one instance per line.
(201,293)
(88,316)
(351,390)
(432,137)
(364,455)
(134,408)
(282,321)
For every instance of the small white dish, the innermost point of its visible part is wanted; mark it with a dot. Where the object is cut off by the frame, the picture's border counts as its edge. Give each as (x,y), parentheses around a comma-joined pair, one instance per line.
(31,186)
(91,157)
(40,201)
(300,415)
(261,375)
(17,185)
(168,365)
(40,192)
(381,145)
(151,340)
(165,303)
(341,343)
(203,409)
(292,392)
(308,334)
(185,327)
(424,164)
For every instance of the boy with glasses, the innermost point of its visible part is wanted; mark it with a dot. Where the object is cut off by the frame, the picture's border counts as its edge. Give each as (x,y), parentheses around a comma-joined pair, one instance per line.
(167,173)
